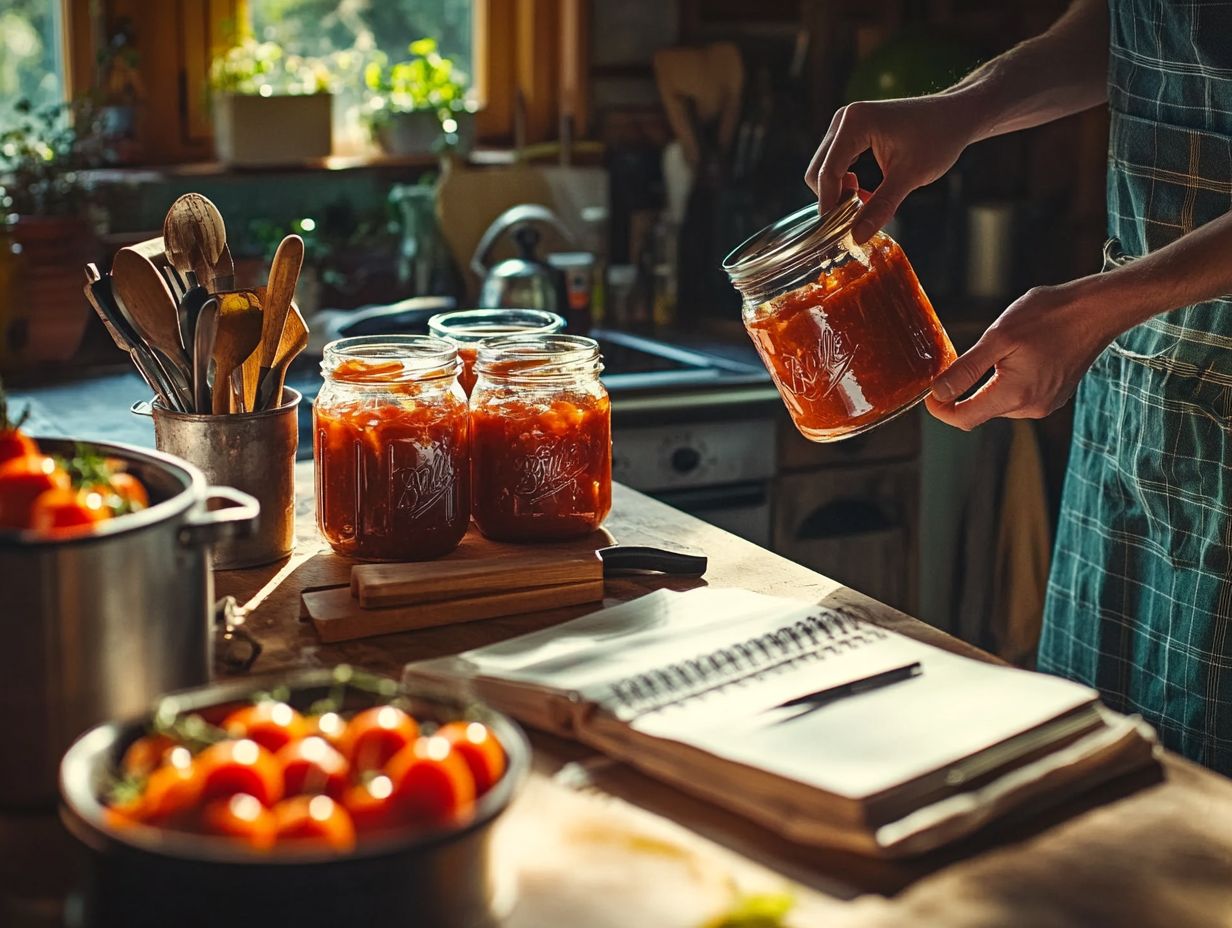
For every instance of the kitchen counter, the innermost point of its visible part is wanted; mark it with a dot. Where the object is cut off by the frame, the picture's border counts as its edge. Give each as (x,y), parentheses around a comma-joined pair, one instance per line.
(1150,851)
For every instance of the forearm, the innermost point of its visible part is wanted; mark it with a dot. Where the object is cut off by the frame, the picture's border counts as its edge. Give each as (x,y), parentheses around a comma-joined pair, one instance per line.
(1195,267)
(1060,72)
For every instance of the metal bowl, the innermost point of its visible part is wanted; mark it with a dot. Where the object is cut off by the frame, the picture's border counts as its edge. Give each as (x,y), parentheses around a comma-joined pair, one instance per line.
(146,876)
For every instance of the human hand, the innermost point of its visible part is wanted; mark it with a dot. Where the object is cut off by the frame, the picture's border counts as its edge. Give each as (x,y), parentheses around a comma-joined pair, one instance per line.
(915,141)
(1040,346)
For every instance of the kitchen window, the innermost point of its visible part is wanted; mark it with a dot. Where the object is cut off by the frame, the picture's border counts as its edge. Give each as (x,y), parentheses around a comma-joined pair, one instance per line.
(31,59)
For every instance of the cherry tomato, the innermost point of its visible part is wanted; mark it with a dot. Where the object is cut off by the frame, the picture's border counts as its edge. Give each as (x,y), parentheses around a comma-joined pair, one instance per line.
(172,792)
(60,508)
(231,767)
(312,765)
(431,780)
(375,735)
(241,817)
(314,821)
(14,443)
(330,726)
(22,481)
(273,725)
(478,747)
(373,805)
(145,755)
(129,489)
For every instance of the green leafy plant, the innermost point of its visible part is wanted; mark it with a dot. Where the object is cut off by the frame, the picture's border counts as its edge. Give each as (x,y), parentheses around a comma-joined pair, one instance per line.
(42,155)
(424,81)
(253,68)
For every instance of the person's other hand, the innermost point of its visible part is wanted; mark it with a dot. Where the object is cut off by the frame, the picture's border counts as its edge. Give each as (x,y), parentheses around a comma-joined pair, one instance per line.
(1040,346)
(915,141)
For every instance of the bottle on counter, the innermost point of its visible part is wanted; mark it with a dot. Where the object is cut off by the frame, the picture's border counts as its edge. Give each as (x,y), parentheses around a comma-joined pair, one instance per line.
(391,448)
(845,330)
(541,453)
(468,328)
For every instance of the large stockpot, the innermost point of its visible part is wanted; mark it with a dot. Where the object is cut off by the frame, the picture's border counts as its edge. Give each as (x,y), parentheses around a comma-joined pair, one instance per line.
(435,877)
(98,626)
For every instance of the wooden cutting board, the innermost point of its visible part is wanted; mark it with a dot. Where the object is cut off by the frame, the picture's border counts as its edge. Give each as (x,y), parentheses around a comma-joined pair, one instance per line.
(483,579)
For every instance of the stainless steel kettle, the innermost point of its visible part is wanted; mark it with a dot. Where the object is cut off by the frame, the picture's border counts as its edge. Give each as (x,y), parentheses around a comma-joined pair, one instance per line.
(525,282)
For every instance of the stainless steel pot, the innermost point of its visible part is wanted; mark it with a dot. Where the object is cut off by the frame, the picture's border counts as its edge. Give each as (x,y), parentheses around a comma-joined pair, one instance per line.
(98,626)
(442,877)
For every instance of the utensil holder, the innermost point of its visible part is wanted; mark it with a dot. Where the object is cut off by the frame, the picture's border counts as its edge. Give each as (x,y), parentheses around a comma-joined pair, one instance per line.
(253,452)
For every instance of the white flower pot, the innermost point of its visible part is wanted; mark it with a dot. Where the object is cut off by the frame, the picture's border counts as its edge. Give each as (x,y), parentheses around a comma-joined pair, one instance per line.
(410,133)
(253,130)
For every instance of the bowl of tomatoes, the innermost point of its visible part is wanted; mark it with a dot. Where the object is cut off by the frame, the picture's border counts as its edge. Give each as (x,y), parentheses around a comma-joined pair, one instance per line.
(330,797)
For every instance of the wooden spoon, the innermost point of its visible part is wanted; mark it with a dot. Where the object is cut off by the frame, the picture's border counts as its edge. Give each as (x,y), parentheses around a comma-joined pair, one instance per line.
(239,334)
(279,292)
(294,340)
(152,311)
(194,235)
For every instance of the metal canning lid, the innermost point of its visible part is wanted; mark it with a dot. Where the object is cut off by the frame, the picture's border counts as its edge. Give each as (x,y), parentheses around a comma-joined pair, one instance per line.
(797,236)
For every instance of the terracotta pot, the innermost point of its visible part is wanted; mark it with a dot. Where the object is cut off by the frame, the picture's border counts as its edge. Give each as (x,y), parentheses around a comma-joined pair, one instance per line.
(47,315)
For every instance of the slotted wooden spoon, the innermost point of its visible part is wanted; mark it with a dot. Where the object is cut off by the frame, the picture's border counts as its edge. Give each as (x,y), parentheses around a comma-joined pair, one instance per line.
(194,236)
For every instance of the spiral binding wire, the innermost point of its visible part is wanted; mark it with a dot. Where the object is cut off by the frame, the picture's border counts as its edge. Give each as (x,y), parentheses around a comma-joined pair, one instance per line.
(815,637)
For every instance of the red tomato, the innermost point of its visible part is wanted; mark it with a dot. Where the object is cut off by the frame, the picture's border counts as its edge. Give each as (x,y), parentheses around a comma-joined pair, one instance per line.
(22,480)
(376,735)
(273,725)
(241,817)
(14,443)
(373,805)
(330,726)
(63,508)
(478,747)
(172,792)
(231,767)
(312,765)
(129,489)
(314,821)
(431,780)
(146,755)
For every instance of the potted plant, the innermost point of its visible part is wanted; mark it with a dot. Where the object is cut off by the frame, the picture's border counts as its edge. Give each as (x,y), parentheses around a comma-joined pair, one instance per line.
(419,105)
(46,236)
(270,107)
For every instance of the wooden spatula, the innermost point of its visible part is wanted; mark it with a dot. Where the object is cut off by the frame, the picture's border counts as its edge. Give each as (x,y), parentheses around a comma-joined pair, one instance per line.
(239,334)
(279,292)
(294,340)
(194,236)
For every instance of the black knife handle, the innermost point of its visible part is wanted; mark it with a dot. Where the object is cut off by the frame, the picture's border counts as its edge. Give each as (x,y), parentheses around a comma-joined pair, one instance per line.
(622,558)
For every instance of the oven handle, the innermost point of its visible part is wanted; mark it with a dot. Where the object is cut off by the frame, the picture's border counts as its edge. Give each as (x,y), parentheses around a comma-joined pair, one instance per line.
(727,496)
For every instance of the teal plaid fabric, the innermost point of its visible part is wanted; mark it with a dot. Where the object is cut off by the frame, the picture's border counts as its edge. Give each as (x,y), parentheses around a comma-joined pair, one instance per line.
(1140,596)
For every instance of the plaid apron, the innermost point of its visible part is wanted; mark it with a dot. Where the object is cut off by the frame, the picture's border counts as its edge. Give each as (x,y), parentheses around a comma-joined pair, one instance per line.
(1139,599)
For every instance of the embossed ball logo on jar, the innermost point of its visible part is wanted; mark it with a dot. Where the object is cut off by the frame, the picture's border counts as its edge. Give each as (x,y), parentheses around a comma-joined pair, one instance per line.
(550,468)
(422,486)
(816,370)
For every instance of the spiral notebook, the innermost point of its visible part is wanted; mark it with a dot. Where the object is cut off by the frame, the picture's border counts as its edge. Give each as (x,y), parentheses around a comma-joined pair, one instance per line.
(708,690)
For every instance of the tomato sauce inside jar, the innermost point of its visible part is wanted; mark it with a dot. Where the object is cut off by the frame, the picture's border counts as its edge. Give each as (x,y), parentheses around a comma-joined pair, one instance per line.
(541,459)
(467,328)
(391,447)
(845,330)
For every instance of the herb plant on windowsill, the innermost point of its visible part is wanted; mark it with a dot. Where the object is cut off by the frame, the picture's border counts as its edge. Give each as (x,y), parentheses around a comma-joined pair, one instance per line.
(419,105)
(270,107)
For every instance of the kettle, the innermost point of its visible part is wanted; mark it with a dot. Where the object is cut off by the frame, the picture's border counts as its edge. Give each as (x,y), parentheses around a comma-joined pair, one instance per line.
(524,282)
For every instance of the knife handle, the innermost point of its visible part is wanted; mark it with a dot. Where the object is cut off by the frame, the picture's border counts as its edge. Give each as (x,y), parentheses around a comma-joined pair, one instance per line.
(621,558)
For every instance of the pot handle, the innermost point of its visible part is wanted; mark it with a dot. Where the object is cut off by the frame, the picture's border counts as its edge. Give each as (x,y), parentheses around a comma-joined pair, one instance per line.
(235,648)
(236,519)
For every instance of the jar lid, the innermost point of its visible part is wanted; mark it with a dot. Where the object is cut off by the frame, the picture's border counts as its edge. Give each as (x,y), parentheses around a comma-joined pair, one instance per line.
(804,233)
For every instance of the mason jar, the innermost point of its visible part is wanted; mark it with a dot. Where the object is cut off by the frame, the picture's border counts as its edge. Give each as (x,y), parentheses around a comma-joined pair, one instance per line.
(541,438)
(391,448)
(466,328)
(845,330)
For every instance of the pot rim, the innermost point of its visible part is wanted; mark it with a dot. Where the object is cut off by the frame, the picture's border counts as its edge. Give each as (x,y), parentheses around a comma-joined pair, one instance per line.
(82,811)
(192,492)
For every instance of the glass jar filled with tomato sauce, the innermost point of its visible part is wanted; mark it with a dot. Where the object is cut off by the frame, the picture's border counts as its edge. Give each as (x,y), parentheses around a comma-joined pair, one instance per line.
(541,438)
(391,447)
(844,329)
(466,328)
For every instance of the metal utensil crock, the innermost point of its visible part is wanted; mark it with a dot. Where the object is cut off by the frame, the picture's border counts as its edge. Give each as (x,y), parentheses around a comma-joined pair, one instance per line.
(99,625)
(253,452)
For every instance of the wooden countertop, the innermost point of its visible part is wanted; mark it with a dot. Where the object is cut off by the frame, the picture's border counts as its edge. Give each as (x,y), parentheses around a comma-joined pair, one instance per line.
(1149,852)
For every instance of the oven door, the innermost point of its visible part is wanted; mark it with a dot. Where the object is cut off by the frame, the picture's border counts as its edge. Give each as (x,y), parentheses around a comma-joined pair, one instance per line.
(740,508)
